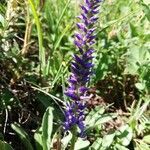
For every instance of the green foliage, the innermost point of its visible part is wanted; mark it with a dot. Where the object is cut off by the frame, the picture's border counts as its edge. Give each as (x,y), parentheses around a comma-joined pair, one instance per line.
(36,44)
(47,126)
(97,117)
(40,36)
(43,135)
(80,144)
(65,140)
(23,135)
(5,146)
(38,139)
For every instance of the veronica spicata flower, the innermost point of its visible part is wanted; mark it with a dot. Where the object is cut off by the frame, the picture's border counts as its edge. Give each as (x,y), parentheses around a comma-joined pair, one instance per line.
(81,67)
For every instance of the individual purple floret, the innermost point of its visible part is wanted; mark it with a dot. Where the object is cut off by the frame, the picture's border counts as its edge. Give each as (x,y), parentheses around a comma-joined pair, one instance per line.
(81,67)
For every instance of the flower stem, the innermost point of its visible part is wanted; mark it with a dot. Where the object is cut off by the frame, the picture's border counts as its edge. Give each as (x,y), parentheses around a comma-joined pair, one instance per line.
(74,138)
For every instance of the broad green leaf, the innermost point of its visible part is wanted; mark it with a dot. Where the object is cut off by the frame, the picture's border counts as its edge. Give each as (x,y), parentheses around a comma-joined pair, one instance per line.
(125,135)
(93,115)
(105,118)
(65,141)
(140,86)
(107,140)
(137,56)
(80,144)
(44,99)
(23,135)
(143,146)
(133,29)
(47,127)
(146,139)
(131,69)
(120,147)
(2,20)
(7,96)
(96,117)
(96,145)
(38,139)
(5,146)
(125,10)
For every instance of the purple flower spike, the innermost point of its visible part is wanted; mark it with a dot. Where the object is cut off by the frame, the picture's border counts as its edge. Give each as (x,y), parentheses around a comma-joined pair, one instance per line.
(81,67)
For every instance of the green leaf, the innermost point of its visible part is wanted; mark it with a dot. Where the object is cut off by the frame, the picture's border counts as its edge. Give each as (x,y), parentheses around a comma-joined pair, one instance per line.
(146,139)
(105,118)
(146,10)
(80,144)
(120,147)
(133,29)
(143,146)
(140,86)
(23,135)
(1,136)
(108,140)
(38,139)
(136,57)
(125,135)
(2,20)
(47,127)
(5,146)
(44,99)
(7,96)
(96,117)
(57,44)
(66,140)
(96,145)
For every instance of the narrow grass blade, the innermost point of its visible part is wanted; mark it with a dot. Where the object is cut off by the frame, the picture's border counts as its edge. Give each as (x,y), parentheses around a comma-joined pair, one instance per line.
(63,12)
(40,36)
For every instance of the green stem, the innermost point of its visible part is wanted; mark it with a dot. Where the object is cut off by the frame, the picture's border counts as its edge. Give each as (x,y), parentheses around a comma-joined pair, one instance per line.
(74,138)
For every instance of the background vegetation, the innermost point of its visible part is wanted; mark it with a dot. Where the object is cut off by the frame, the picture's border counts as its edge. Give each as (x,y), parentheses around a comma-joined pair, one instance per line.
(36,47)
